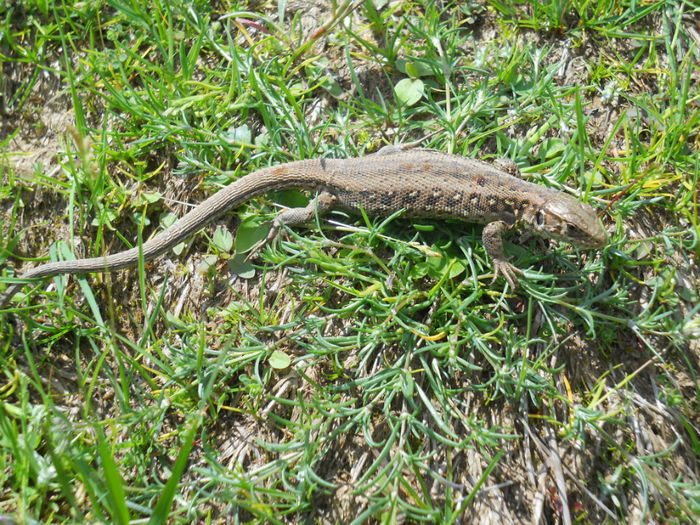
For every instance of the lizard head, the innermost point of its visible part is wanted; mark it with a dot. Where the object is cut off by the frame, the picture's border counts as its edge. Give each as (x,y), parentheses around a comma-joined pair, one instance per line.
(567,219)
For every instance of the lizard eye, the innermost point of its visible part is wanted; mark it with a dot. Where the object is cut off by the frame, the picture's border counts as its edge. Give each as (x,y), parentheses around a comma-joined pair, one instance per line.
(539,218)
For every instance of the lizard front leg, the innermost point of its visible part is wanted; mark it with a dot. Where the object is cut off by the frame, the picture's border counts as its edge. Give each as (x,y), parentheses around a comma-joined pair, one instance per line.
(492,237)
(509,166)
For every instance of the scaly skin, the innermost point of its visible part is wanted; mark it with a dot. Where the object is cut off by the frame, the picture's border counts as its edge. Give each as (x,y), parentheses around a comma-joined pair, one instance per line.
(424,183)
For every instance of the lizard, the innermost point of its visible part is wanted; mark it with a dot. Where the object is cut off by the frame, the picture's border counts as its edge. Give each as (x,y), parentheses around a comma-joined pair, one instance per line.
(424,183)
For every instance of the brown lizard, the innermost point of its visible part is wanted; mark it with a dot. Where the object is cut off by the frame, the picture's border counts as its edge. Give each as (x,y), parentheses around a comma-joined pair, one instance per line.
(424,183)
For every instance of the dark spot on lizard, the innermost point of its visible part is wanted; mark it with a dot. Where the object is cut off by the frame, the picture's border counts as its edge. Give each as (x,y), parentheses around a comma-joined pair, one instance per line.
(518,204)
(410,197)
(434,198)
(365,195)
(480,180)
(387,199)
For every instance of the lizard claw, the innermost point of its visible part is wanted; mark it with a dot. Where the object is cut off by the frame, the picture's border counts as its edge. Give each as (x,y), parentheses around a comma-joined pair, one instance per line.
(509,271)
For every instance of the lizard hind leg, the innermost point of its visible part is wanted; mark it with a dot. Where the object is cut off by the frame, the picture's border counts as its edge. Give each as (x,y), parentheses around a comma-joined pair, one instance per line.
(293,216)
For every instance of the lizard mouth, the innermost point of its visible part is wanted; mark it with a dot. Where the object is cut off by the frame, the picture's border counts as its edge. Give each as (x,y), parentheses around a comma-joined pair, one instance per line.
(592,236)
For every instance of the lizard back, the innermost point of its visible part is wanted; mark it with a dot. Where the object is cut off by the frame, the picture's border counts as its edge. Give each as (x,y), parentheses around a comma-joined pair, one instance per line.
(427,183)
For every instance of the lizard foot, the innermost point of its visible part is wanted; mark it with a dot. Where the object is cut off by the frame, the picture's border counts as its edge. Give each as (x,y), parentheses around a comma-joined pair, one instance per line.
(510,272)
(292,216)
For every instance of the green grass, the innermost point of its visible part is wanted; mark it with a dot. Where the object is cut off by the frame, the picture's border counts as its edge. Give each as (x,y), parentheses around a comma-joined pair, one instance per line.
(359,369)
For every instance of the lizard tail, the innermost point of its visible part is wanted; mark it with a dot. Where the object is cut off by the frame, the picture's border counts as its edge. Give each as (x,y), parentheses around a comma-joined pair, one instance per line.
(299,174)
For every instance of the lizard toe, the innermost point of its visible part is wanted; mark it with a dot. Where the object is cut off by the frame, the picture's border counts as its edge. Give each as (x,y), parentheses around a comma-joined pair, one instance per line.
(510,272)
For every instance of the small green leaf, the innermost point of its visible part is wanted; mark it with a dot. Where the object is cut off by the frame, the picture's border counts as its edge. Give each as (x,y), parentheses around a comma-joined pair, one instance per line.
(241,267)
(436,267)
(456,269)
(420,270)
(251,231)
(414,69)
(167,220)
(318,70)
(146,197)
(279,360)
(290,198)
(110,215)
(409,91)
(138,218)
(297,89)
(551,148)
(262,140)
(179,248)
(206,264)
(223,240)
(238,135)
